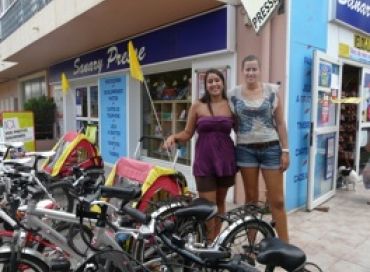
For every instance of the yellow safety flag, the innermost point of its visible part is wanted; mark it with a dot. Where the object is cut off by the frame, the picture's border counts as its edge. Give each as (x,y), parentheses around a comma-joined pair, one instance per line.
(135,68)
(65,83)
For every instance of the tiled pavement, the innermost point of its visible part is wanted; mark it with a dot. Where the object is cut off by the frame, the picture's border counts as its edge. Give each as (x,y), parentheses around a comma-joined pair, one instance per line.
(337,240)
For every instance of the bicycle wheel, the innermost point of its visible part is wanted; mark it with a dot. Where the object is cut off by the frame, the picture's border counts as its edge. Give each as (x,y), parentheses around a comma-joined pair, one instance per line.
(25,263)
(111,260)
(148,251)
(245,239)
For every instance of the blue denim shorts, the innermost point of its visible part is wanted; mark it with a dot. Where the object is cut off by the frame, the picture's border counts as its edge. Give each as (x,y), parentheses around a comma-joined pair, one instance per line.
(265,158)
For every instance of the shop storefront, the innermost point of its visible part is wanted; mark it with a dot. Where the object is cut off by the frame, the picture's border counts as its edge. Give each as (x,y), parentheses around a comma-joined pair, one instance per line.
(331,89)
(340,98)
(173,60)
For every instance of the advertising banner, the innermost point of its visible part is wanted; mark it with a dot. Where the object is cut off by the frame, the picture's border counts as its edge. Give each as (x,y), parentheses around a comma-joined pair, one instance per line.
(354,14)
(113,117)
(180,40)
(19,127)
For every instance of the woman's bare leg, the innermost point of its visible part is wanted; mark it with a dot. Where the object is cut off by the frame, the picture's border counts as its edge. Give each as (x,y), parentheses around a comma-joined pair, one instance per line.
(210,224)
(275,196)
(220,201)
(250,180)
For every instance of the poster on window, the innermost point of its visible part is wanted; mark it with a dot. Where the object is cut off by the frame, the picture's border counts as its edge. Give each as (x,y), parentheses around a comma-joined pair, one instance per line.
(113,118)
(325,71)
(324,118)
(330,148)
(201,84)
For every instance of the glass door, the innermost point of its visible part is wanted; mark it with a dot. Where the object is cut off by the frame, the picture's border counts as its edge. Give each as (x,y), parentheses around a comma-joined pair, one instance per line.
(326,82)
(87,110)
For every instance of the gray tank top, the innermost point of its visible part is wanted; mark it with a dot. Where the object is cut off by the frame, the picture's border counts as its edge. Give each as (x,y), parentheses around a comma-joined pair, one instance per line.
(256,122)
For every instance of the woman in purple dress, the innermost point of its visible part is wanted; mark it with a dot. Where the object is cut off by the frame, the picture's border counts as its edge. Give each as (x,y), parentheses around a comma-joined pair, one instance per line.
(214,165)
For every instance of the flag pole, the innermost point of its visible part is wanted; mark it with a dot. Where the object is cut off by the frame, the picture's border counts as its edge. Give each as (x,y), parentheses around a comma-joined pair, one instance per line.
(136,73)
(156,115)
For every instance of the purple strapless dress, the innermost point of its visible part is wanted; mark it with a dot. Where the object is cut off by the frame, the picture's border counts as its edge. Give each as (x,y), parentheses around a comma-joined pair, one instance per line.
(214,150)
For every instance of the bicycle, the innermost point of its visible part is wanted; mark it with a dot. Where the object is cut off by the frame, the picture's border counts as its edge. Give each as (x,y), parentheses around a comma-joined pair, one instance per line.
(151,228)
(34,222)
(272,251)
(240,221)
(15,168)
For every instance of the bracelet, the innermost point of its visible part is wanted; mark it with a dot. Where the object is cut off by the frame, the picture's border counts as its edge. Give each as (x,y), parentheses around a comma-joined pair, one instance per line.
(285,150)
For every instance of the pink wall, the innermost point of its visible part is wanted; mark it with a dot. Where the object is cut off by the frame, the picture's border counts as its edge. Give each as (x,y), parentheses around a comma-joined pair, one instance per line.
(270,47)
(8,89)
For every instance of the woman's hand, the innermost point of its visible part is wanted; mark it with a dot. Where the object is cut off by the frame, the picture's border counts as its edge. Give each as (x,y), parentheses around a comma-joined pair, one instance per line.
(169,142)
(284,161)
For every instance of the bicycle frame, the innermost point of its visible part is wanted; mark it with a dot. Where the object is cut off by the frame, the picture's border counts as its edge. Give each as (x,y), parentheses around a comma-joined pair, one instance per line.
(32,217)
(33,214)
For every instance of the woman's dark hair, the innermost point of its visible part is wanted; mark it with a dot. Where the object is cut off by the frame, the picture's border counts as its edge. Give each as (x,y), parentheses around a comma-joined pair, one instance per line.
(206,98)
(250,58)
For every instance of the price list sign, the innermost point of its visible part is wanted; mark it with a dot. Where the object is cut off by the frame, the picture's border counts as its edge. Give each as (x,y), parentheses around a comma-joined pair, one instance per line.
(113,118)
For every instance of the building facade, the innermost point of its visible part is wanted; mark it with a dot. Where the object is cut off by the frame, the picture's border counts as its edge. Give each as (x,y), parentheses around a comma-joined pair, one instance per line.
(318,51)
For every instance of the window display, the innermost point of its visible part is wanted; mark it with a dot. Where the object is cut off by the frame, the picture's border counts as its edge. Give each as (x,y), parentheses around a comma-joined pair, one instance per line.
(87,111)
(171,94)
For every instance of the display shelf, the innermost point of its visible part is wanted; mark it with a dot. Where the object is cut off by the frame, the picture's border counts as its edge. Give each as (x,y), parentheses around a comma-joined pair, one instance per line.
(171,94)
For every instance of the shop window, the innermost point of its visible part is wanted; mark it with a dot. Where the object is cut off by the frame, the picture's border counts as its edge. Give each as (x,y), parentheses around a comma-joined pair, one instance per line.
(34,88)
(87,111)
(81,102)
(171,94)
(94,102)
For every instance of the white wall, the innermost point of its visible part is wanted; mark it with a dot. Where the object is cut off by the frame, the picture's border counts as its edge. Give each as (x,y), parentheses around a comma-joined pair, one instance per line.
(338,34)
(52,16)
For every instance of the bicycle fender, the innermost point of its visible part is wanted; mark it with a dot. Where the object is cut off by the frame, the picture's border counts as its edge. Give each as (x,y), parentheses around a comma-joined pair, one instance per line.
(222,236)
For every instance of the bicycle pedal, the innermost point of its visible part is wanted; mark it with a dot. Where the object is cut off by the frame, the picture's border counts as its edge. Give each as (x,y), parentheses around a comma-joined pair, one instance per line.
(60,265)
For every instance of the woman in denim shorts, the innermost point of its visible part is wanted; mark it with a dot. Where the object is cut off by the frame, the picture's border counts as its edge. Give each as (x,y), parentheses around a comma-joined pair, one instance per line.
(261,139)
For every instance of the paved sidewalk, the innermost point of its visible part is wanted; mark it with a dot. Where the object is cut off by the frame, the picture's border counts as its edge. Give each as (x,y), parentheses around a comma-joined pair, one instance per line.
(337,240)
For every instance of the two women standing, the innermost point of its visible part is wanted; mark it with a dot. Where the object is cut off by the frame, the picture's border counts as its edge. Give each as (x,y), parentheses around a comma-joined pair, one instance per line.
(254,111)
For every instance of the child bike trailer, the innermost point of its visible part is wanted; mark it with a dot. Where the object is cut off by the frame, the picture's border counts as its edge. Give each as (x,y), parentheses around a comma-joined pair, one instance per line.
(157,183)
(74,149)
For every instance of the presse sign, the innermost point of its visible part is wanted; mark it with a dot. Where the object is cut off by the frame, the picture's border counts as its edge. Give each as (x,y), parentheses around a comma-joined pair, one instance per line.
(259,11)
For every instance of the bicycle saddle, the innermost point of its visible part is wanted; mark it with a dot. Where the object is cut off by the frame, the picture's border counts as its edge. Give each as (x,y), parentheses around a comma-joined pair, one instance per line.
(274,252)
(199,208)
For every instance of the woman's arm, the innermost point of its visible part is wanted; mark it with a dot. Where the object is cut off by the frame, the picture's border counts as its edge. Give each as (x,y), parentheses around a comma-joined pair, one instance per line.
(282,132)
(280,124)
(188,132)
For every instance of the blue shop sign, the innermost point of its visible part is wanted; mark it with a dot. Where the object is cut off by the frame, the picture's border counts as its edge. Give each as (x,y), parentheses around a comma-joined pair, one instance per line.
(353,13)
(198,35)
